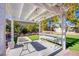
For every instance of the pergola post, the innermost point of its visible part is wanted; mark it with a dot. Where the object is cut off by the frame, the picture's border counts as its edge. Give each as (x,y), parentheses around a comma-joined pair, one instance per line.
(12,34)
(39,30)
(63,25)
(63,31)
(2,30)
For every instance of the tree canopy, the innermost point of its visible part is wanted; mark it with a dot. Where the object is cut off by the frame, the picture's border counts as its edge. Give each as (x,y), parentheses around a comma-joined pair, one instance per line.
(54,19)
(16,27)
(71,13)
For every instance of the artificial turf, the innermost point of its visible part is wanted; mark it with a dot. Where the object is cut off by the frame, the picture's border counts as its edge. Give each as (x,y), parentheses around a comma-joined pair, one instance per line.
(34,37)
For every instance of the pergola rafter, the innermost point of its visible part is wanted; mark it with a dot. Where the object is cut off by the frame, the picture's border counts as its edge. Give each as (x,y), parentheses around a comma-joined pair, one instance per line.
(38,14)
(27,16)
(21,8)
(34,10)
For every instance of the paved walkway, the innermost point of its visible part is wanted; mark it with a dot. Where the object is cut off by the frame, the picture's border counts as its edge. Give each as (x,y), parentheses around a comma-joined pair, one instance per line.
(68,53)
(72,33)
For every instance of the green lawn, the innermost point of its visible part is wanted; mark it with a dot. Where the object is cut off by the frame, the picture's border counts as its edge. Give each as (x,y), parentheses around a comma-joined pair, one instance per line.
(73,42)
(34,37)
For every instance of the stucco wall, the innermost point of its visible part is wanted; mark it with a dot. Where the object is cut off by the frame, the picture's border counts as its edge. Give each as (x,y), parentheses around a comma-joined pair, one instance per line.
(2,29)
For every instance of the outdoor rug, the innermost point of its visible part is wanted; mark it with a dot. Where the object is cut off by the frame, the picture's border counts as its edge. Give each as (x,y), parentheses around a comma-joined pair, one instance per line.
(38,46)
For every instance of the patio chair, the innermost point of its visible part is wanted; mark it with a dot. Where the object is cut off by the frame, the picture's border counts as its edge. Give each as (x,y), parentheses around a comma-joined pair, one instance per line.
(24,41)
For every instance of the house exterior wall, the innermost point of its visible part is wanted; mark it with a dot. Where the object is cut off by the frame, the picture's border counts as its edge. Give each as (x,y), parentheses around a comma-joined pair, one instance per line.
(2,30)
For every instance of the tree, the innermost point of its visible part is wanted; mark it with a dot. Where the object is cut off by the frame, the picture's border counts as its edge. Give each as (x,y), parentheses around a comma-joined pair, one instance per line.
(8,27)
(24,30)
(44,24)
(54,19)
(16,27)
(35,27)
(71,14)
(77,25)
(32,27)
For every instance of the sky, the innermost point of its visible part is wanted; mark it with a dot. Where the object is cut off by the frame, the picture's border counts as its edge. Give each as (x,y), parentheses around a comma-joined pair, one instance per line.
(77,13)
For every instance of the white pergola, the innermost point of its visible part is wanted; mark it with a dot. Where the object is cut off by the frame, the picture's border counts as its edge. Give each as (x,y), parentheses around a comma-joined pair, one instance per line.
(32,12)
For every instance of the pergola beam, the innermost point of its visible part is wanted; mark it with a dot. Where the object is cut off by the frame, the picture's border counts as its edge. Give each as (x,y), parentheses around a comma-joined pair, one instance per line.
(50,9)
(39,18)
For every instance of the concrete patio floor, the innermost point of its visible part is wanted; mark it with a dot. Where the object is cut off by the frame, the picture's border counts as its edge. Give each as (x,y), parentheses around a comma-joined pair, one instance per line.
(68,53)
(36,48)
